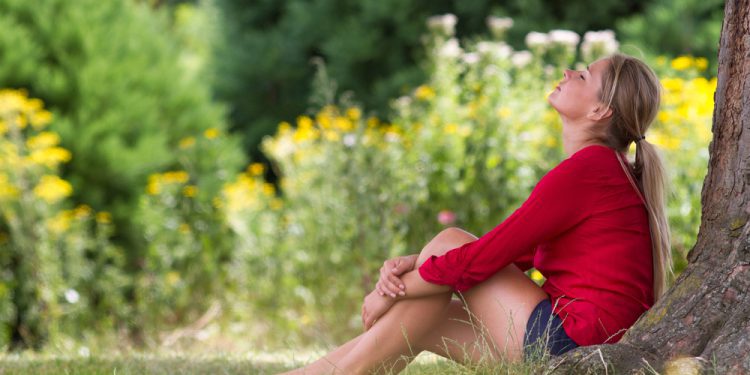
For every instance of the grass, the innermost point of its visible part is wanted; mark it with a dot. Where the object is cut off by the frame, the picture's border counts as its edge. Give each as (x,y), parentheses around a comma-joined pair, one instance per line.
(193,359)
(177,363)
(185,363)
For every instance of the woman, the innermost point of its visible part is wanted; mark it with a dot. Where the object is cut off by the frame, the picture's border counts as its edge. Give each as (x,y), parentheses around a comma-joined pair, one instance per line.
(593,227)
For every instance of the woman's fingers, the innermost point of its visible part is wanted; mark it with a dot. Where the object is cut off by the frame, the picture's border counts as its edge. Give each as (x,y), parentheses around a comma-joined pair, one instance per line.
(389,283)
(381,289)
(403,265)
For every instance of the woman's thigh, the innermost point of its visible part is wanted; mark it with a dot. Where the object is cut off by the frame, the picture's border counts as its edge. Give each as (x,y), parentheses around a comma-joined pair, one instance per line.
(495,323)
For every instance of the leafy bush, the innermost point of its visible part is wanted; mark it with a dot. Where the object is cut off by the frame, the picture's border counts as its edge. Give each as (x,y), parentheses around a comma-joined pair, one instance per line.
(189,250)
(115,77)
(60,274)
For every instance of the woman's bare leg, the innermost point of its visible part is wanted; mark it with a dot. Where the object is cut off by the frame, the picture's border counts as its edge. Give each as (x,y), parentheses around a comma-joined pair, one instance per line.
(501,306)
(445,240)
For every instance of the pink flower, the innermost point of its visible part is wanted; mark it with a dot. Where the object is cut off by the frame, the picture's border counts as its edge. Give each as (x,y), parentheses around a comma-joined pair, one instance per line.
(446,217)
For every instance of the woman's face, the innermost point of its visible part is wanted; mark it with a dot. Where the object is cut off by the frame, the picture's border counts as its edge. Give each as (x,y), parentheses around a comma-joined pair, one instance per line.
(577,95)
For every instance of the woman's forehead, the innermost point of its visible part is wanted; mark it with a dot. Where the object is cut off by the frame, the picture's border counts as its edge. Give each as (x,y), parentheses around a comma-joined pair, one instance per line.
(597,67)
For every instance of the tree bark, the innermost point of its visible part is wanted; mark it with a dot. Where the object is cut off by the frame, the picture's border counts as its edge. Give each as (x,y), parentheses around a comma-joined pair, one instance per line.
(702,323)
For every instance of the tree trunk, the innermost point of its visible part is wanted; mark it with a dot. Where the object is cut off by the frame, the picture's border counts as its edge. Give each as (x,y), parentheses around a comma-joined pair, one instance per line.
(703,322)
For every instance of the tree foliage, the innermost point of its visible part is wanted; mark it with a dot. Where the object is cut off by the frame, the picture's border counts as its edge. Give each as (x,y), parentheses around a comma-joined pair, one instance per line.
(112,74)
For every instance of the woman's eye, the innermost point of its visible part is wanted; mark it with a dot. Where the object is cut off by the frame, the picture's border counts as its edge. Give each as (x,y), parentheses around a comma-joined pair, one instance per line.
(582,77)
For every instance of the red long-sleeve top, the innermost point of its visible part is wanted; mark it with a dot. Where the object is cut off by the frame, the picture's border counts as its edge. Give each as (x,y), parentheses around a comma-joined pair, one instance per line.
(585,228)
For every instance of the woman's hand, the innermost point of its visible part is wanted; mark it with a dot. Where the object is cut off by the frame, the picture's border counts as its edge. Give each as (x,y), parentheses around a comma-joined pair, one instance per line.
(374,307)
(389,283)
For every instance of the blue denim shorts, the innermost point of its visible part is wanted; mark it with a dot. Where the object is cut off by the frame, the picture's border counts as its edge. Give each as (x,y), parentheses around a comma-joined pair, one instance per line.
(545,326)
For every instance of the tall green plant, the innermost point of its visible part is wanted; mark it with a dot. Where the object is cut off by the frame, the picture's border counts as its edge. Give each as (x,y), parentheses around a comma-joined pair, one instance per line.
(115,76)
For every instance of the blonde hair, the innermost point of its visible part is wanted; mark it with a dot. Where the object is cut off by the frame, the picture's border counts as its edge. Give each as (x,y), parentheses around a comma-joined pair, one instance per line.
(633,93)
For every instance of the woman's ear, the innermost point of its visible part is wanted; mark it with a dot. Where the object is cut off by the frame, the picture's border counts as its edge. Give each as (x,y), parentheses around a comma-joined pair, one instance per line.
(601,112)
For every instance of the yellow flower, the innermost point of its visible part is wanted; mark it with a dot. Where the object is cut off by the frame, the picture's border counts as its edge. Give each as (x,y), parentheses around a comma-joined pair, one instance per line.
(52,188)
(154,185)
(551,141)
(43,140)
(276,204)
(256,169)
(184,228)
(11,101)
(305,133)
(701,63)
(179,177)
(103,217)
(372,122)
(268,189)
(187,142)
(284,128)
(217,202)
(354,113)
(304,122)
(20,121)
(663,116)
(173,278)
(424,92)
(211,133)
(60,222)
(661,60)
(7,191)
(40,119)
(81,212)
(673,84)
(682,63)
(343,123)
(504,112)
(189,191)
(33,105)
(50,157)
(451,129)
(331,135)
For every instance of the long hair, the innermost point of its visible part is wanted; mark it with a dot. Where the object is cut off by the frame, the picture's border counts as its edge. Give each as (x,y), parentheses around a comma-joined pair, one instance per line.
(633,93)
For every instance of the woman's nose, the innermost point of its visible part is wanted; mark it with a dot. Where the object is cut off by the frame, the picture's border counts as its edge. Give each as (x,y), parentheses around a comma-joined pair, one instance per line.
(566,73)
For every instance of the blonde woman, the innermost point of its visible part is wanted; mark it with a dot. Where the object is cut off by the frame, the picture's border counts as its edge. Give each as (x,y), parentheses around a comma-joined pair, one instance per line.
(594,226)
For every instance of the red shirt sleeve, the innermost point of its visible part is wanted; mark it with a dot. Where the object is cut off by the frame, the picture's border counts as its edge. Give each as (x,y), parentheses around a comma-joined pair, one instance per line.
(559,201)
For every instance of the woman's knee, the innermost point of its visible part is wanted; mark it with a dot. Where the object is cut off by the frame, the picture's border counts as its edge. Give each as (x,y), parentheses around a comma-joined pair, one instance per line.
(447,239)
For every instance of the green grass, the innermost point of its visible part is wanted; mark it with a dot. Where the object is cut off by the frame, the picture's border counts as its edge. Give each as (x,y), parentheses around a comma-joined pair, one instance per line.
(182,363)
(160,364)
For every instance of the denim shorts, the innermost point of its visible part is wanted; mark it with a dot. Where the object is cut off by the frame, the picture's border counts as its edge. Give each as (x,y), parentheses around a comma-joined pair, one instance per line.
(546,327)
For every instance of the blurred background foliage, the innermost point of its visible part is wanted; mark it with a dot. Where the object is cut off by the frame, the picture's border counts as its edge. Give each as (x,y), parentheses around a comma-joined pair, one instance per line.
(242,168)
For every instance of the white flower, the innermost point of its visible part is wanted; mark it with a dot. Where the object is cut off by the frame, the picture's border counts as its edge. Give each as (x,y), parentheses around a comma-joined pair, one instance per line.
(494,50)
(535,39)
(451,49)
(566,37)
(72,296)
(499,25)
(403,102)
(444,24)
(392,137)
(296,229)
(521,58)
(349,140)
(84,351)
(598,43)
(471,58)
